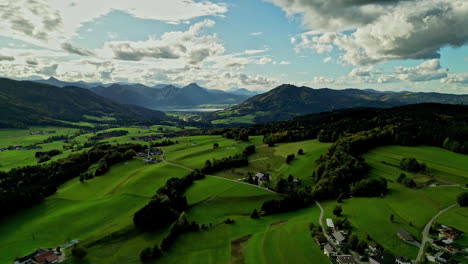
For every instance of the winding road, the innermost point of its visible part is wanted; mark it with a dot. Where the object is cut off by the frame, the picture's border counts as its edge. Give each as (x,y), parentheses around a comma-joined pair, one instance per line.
(425,232)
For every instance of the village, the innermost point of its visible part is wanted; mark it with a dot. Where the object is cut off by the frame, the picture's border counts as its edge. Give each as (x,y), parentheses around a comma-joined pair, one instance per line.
(336,245)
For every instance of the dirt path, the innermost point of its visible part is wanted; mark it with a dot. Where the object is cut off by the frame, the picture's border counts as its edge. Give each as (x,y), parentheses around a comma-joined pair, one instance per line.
(425,232)
(213,176)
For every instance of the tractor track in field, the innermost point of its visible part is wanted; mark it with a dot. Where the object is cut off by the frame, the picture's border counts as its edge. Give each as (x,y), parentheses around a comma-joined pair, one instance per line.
(213,176)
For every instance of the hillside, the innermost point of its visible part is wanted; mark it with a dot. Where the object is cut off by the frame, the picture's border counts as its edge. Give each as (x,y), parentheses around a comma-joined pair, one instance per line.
(287,101)
(29,103)
(167,97)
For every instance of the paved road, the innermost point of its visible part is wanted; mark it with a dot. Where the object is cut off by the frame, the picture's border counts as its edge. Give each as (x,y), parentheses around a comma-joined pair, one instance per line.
(425,233)
(189,169)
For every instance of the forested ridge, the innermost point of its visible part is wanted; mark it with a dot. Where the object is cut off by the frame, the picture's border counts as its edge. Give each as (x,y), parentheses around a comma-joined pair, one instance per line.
(356,131)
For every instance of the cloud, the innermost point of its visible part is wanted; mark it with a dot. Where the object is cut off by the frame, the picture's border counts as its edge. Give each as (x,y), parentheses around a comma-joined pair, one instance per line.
(426,71)
(361,72)
(285,63)
(251,52)
(6,58)
(461,78)
(387,79)
(172,45)
(76,50)
(51,22)
(381,30)
(327,59)
(32,62)
(255,33)
(322,79)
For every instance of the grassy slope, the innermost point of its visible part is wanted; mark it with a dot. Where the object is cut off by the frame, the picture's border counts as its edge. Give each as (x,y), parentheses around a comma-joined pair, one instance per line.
(371,216)
(85,211)
(214,200)
(273,160)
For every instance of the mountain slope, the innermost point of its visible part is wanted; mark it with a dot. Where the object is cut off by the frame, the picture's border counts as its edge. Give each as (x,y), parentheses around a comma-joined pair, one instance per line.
(56,82)
(30,103)
(287,101)
(166,97)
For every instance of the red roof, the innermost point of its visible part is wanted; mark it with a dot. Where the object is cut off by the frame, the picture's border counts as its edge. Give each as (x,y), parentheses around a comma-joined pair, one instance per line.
(46,257)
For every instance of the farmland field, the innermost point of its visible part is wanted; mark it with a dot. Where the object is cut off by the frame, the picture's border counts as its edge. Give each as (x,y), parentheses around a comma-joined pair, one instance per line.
(412,208)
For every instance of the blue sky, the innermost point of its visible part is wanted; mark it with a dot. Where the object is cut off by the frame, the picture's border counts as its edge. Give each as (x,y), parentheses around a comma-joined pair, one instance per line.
(253,44)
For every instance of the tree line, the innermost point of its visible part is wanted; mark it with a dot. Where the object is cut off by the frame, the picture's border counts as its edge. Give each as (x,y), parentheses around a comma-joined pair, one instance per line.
(24,187)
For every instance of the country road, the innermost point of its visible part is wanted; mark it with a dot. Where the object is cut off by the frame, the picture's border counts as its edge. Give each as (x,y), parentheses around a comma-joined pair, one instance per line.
(425,232)
(213,176)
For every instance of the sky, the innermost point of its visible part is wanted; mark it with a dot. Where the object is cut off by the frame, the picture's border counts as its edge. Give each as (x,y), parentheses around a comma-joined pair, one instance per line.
(398,45)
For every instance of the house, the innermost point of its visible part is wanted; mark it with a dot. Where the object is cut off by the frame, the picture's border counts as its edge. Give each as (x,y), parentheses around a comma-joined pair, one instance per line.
(402,260)
(262,177)
(450,233)
(403,234)
(330,223)
(149,160)
(329,250)
(340,239)
(40,256)
(373,246)
(48,256)
(345,259)
(437,258)
(375,259)
(297,181)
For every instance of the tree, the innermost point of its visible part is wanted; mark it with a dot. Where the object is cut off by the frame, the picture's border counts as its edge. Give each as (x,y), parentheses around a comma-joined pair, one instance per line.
(79,252)
(361,247)
(215,145)
(408,182)
(281,185)
(146,255)
(353,241)
(254,214)
(157,252)
(290,178)
(82,178)
(208,164)
(392,217)
(300,152)
(290,158)
(401,177)
(338,210)
(462,199)
(340,198)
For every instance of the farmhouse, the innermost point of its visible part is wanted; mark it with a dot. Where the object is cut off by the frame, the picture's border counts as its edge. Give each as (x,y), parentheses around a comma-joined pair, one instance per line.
(373,246)
(340,239)
(403,234)
(329,250)
(40,256)
(345,259)
(262,177)
(402,260)
(330,223)
(449,233)
(375,259)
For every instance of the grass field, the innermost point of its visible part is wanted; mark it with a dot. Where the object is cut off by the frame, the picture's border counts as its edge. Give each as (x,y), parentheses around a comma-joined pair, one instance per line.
(15,158)
(371,216)
(86,211)
(273,160)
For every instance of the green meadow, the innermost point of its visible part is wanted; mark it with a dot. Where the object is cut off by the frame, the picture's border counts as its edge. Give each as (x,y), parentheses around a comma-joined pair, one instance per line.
(273,160)
(412,208)
(16,158)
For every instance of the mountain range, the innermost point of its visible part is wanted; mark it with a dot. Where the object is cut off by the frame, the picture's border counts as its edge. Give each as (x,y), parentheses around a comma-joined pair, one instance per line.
(167,97)
(288,101)
(159,96)
(30,103)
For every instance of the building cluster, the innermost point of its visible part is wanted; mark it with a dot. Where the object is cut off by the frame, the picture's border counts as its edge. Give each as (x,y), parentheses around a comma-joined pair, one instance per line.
(18,147)
(338,242)
(444,242)
(148,138)
(41,132)
(148,155)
